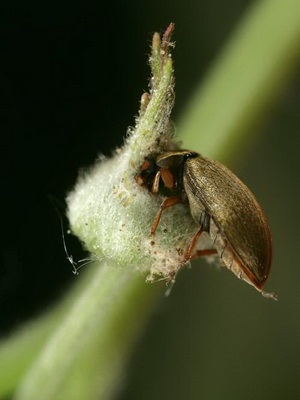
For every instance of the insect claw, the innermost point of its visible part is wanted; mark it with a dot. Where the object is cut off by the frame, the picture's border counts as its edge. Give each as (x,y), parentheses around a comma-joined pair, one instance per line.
(270,295)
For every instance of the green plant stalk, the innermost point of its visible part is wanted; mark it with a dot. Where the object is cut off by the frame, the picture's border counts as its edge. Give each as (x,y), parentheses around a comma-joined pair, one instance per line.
(245,81)
(94,339)
(222,128)
(20,349)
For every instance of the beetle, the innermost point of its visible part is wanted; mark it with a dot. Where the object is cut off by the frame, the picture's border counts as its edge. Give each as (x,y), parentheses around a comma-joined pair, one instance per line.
(221,205)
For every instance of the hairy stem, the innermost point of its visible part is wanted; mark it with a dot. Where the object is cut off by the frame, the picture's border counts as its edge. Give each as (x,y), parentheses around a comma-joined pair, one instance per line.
(85,356)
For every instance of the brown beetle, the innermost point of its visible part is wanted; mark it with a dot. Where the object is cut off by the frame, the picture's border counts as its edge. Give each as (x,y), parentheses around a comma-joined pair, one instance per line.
(221,204)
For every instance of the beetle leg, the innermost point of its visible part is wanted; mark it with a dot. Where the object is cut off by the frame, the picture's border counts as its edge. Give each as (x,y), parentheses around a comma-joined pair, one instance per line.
(205,223)
(155,185)
(167,177)
(168,202)
(192,245)
(203,253)
(199,253)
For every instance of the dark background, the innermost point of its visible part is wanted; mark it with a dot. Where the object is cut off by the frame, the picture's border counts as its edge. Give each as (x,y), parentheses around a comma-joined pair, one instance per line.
(71,80)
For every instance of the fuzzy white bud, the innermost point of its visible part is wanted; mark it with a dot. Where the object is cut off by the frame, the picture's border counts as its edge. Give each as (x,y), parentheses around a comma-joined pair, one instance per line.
(111,213)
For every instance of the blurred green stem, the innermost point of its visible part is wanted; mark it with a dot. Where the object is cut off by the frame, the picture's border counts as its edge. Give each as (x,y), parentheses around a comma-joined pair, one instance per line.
(112,305)
(245,81)
(85,355)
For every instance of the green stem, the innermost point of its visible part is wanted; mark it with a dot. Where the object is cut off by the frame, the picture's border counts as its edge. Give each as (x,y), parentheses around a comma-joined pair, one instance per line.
(20,350)
(246,79)
(85,356)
